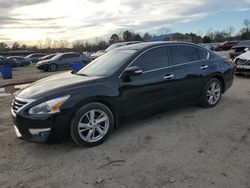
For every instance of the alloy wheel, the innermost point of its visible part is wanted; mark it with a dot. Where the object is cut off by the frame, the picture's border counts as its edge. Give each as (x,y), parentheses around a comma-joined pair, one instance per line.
(93,125)
(213,93)
(53,67)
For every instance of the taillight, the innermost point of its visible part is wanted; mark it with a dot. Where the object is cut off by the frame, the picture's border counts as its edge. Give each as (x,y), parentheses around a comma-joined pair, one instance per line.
(230,62)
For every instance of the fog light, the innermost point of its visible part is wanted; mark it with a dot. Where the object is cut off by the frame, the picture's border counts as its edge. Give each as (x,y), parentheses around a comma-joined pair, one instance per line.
(39,131)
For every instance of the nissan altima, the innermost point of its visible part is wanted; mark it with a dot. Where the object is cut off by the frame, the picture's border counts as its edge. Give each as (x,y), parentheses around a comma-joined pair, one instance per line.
(88,104)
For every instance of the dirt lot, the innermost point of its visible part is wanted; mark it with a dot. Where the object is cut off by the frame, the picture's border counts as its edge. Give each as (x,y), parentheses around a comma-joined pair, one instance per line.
(24,75)
(185,147)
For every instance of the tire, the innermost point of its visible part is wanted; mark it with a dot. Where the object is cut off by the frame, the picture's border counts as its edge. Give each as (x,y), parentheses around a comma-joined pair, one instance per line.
(211,97)
(239,74)
(53,67)
(46,68)
(84,129)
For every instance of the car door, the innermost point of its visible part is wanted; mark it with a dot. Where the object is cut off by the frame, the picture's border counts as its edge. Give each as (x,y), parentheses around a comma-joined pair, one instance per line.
(63,60)
(155,86)
(191,67)
(76,58)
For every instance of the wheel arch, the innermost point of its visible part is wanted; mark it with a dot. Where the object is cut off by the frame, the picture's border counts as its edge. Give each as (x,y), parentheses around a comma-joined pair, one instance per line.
(102,100)
(221,79)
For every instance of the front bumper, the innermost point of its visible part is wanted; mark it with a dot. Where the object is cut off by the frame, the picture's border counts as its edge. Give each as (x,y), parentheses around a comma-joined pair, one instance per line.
(41,67)
(41,129)
(243,69)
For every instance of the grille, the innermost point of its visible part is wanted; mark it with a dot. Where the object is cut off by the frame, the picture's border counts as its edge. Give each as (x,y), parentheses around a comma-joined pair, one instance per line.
(243,62)
(17,104)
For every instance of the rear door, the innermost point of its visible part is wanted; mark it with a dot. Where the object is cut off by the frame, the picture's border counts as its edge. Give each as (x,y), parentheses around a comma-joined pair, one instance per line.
(154,87)
(62,63)
(191,68)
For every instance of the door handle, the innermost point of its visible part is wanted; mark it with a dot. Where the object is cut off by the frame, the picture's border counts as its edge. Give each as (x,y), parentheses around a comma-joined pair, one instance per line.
(169,76)
(204,67)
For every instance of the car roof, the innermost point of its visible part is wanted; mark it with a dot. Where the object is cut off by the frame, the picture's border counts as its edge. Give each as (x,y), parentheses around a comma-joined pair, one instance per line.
(145,45)
(70,53)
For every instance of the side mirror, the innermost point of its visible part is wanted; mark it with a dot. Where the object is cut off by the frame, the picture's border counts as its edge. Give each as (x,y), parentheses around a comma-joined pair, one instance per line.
(133,71)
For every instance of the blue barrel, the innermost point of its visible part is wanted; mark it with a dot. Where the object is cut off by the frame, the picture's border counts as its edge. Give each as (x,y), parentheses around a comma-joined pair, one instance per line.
(6,72)
(77,66)
(1,68)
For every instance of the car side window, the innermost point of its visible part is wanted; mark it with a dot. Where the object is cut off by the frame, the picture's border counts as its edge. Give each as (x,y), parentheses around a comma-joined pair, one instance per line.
(67,56)
(38,55)
(152,59)
(203,53)
(183,54)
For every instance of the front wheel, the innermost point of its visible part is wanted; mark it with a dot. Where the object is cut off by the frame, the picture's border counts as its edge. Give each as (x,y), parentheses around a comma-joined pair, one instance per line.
(53,67)
(212,93)
(91,125)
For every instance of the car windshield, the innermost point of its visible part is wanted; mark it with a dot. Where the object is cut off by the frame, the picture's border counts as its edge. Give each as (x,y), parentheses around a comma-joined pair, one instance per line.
(49,56)
(56,57)
(107,64)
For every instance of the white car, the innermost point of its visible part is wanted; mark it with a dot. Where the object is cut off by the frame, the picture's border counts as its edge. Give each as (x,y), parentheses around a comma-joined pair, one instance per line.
(243,64)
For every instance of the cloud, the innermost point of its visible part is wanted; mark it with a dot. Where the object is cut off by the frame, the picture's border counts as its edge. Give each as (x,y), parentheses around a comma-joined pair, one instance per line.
(29,19)
(7,4)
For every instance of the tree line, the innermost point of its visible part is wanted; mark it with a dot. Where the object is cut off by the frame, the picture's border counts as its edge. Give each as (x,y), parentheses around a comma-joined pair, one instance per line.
(101,44)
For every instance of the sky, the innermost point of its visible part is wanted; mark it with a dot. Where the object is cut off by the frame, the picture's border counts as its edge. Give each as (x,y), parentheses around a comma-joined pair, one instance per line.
(27,21)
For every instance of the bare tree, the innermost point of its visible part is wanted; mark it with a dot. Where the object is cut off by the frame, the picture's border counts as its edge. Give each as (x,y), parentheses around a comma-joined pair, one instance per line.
(163,30)
(40,44)
(63,44)
(246,23)
(48,42)
(55,44)
(230,31)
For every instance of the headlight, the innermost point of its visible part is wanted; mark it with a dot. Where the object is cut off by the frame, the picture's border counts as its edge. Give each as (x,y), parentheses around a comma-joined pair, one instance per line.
(49,107)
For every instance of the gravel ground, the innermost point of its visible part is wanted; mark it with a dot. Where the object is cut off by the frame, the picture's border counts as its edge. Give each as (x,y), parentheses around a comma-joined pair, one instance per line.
(22,75)
(184,147)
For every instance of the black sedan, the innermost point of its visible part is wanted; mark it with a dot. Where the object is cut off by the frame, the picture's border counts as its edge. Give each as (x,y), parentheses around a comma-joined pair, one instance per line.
(123,82)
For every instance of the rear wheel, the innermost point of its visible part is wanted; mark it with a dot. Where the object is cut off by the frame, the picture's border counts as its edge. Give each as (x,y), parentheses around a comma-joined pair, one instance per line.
(212,93)
(238,74)
(91,125)
(53,67)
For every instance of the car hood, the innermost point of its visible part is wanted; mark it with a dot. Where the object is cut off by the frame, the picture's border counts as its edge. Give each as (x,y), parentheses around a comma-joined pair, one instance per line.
(55,84)
(245,56)
(43,62)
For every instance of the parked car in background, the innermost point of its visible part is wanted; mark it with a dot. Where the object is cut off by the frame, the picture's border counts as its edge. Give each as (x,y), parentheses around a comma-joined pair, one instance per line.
(11,62)
(17,61)
(111,47)
(62,61)
(87,53)
(125,81)
(2,58)
(34,57)
(243,64)
(226,45)
(241,48)
(96,54)
(48,57)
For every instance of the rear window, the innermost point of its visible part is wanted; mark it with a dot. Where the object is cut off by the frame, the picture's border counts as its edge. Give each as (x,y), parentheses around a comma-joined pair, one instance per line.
(37,55)
(203,53)
(66,56)
(184,54)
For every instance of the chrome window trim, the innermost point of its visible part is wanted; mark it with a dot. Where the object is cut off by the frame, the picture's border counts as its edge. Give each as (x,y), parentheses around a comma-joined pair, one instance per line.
(167,45)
